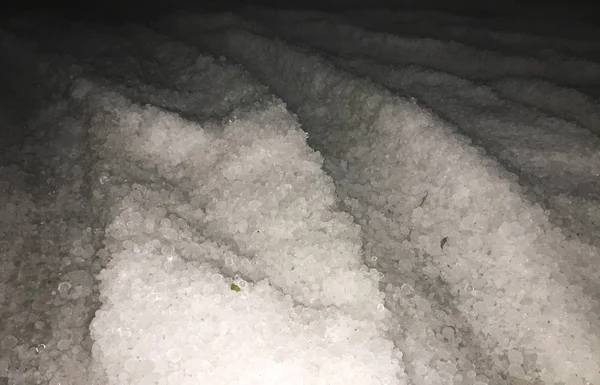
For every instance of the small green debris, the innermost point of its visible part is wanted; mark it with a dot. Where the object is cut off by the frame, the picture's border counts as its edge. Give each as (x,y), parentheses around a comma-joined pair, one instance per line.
(235,287)
(443,242)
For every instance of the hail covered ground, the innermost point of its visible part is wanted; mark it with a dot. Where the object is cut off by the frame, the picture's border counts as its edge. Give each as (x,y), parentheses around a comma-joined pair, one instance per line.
(272,197)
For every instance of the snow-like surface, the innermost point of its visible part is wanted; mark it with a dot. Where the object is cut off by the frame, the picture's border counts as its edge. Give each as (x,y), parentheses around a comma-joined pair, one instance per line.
(298,198)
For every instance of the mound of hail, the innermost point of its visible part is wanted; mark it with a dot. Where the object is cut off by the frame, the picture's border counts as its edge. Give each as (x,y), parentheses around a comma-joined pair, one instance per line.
(186,323)
(248,200)
(258,186)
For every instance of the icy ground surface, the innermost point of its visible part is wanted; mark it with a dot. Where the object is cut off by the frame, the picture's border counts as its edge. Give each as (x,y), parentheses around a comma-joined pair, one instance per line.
(269,198)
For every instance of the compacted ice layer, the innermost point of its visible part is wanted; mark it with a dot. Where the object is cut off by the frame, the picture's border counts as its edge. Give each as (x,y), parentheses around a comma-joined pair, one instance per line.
(194,290)
(461,218)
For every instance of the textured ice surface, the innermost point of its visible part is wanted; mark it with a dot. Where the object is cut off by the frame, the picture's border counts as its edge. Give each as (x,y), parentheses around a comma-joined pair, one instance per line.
(166,219)
(252,200)
(445,212)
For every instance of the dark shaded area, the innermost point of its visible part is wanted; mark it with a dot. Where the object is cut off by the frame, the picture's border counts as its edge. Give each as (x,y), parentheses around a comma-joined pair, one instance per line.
(118,12)
(109,12)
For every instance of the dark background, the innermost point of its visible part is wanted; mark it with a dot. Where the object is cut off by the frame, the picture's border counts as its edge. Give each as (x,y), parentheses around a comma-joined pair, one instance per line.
(115,11)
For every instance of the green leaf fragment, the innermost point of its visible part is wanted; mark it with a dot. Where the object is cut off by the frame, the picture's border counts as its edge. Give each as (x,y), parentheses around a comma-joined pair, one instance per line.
(235,287)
